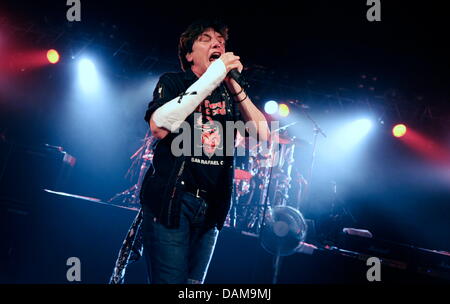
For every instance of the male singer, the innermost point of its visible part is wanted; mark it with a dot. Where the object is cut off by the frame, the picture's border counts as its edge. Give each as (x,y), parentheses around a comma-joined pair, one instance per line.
(185,199)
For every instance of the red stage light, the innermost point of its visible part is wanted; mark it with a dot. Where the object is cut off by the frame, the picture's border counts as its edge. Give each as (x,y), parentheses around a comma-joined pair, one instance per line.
(52,56)
(399,130)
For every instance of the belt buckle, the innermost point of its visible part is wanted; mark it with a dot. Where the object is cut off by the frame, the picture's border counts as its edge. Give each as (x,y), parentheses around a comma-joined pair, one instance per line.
(197,193)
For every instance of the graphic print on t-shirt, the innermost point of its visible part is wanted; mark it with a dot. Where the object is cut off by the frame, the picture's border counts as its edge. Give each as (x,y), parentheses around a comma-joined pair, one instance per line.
(206,166)
(211,130)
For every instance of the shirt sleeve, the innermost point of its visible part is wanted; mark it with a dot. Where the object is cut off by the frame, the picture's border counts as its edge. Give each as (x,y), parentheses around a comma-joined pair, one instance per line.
(165,91)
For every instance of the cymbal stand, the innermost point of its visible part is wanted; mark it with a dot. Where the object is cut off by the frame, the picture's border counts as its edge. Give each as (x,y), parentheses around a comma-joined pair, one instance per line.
(142,160)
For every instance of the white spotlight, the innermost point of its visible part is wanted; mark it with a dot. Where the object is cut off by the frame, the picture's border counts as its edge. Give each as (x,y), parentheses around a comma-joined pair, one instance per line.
(361,127)
(351,134)
(87,76)
(271,107)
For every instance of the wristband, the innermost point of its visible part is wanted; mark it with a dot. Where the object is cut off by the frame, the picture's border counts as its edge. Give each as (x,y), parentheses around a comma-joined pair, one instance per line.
(238,93)
(239,101)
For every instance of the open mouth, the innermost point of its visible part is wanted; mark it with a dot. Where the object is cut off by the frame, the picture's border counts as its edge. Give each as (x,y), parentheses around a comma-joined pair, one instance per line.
(214,56)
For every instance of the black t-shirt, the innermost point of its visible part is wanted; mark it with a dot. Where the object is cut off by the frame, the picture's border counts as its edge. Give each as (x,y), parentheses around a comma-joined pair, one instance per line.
(161,182)
(206,164)
(204,169)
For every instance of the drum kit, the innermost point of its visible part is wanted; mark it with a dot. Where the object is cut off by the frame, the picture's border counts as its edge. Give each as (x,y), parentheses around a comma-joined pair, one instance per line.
(268,194)
(263,180)
(269,208)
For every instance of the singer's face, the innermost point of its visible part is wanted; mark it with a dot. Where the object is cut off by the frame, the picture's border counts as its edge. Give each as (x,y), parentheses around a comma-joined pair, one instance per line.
(207,48)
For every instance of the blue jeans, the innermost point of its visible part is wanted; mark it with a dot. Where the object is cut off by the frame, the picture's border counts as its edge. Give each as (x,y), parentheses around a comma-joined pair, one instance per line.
(182,255)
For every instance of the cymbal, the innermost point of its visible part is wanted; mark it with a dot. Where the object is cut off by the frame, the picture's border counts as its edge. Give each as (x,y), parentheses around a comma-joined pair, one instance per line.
(284,141)
(242,174)
(286,126)
(303,142)
(246,142)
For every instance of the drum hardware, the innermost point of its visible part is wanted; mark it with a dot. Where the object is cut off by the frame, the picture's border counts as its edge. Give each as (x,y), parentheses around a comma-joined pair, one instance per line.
(242,174)
(241,187)
(142,160)
(266,170)
(267,214)
(285,228)
(270,177)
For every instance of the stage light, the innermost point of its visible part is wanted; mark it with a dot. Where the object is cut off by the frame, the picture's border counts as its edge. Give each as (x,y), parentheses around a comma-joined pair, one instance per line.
(361,127)
(52,56)
(271,107)
(399,130)
(87,76)
(429,148)
(351,134)
(283,110)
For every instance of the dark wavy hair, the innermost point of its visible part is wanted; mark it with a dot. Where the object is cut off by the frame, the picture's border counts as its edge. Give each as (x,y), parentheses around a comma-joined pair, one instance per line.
(191,34)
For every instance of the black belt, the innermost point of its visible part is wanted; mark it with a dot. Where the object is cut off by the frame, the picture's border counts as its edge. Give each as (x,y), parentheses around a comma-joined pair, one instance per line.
(197,192)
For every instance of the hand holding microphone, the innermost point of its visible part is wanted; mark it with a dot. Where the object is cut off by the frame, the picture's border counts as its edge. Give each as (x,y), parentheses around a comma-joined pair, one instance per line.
(231,61)
(234,68)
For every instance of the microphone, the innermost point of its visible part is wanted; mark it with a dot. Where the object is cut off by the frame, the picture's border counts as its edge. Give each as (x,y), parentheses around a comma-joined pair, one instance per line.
(234,73)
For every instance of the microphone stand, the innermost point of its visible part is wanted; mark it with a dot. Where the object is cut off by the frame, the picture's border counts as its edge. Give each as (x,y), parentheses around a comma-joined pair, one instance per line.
(317,130)
(232,110)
